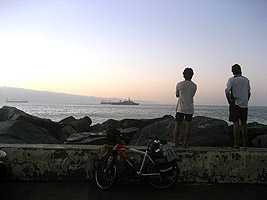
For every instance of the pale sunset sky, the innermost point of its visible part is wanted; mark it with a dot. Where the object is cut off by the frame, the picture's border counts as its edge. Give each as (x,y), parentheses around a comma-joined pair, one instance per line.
(133,48)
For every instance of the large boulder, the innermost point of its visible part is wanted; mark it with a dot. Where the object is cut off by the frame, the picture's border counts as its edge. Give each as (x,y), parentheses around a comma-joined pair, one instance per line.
(67,120)
(254,130)
(113,136)
(257,134)
(80,125)
(11,113)
(6,113)
(21,132)
(109,136)
(110,123)
(52,127)
(127,123)
(260,141)
(208,131)
(87,138)
(141,123)
(205,132)
(162,129)
(65,132)
(128,133)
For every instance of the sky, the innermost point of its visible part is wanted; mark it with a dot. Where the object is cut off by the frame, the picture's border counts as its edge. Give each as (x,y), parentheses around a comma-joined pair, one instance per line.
(133,48)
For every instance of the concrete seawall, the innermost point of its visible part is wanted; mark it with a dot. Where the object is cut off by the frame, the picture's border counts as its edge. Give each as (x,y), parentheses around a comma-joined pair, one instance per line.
(75,162)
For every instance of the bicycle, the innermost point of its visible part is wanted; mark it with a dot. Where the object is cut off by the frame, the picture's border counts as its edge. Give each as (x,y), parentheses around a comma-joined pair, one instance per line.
(154,168)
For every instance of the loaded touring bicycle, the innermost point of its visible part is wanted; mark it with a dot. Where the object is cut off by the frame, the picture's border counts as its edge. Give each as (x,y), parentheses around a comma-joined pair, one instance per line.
(157,164)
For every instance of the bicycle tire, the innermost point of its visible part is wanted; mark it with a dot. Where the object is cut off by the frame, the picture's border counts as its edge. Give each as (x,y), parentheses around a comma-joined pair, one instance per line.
(161,181)
(105,178)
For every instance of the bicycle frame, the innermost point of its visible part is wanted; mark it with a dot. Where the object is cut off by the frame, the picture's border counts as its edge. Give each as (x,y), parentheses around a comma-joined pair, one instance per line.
(159,175)
(139,171)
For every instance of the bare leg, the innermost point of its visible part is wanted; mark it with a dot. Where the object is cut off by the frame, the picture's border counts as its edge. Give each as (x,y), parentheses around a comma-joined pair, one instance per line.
(176,132)
(244,133)
(187,132)
(236,133)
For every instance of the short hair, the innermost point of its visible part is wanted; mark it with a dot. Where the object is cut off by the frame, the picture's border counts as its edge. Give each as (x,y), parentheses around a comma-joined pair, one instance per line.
(236,69)
(188,73)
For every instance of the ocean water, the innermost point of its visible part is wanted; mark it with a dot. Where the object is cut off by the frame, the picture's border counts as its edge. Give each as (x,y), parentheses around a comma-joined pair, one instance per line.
(101,113)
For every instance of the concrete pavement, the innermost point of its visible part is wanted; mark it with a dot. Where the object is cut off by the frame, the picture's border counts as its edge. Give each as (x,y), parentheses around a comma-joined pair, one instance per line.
(129,191)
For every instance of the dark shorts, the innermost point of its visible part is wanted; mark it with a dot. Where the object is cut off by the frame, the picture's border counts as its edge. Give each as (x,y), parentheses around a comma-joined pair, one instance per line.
(180,117)
(237,113)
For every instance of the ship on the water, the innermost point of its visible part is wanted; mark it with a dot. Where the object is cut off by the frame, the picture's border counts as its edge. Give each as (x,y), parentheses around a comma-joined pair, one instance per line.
(16,101)
(120,102)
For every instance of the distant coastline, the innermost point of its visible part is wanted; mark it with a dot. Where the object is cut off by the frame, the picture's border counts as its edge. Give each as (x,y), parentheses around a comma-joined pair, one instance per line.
(47,97)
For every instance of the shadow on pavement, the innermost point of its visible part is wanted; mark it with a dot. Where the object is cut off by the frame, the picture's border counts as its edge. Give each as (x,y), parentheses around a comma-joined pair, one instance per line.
(132,191)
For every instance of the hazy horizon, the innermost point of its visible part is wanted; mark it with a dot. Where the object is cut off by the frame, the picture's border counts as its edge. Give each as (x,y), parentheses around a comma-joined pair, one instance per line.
(136,49)
(71,98)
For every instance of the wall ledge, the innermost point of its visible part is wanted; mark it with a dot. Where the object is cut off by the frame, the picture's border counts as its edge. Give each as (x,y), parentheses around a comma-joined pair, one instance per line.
(75,162)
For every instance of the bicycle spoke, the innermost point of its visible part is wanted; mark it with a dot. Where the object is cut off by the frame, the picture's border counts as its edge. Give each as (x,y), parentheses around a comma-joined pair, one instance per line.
(162,180)
(105,178)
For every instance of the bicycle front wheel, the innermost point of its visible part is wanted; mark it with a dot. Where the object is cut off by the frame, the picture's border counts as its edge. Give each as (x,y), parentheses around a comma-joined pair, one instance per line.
(105,178)
(162,178)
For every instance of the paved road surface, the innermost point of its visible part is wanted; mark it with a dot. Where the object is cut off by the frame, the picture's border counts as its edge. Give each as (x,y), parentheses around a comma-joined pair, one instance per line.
(132,191)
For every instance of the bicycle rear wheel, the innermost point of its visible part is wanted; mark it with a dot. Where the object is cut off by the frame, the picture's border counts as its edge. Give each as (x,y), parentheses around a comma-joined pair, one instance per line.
(163,178)
(104,177)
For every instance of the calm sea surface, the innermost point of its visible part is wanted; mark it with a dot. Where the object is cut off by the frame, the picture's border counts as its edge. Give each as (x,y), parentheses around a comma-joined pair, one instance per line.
(100,113)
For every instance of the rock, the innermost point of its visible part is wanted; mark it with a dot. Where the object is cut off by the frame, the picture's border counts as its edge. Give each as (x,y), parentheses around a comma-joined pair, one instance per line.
(82,125)
(67,120)
(96,128)
(21,132)
(110,123)
(20,127)
(208,131)
(87,138)
(141,123)
(257,134)
(205,132)
(128,133)
(162,129)
(260,141)
(113,136)
(52,127)
(72,126)
(6,113)
(90,141)
(128,123)
(66,132)
(254,130)
(11,113)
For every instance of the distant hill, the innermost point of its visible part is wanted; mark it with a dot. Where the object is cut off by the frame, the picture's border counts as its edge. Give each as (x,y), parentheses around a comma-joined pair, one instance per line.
(35,96)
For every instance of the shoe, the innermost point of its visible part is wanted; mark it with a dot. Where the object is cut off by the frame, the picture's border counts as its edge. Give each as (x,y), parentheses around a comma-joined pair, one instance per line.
(234,147)
(185,145)
(174,144)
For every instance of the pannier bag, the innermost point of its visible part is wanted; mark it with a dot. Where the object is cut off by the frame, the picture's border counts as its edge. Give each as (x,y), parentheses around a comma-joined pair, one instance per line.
(168,151)
(162,148)
(166,169)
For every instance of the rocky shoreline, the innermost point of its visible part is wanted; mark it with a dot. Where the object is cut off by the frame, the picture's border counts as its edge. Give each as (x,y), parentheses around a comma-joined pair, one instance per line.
(18,127)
